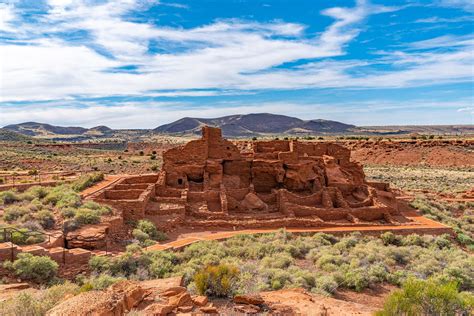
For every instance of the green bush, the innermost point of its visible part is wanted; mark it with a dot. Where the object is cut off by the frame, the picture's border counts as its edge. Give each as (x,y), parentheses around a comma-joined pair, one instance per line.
(428,297)
(9,197)
(45,218)
(99,282)
(35,268)
(140,235)
(390,238)
(38,192)
(68,212)
(14,212)
(62,196)
(219,281)
(24,236)
(86,216)
(87,181)
(149,228)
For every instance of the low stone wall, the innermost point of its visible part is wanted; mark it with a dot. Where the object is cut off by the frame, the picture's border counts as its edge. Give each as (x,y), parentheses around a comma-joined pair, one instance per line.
(123,194)
(63,256)
(148,178)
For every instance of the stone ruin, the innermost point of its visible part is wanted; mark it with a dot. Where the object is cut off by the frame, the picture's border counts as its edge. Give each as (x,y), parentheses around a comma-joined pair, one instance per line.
(213,182)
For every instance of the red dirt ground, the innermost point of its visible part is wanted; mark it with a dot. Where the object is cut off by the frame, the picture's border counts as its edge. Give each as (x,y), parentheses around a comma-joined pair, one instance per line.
(415,153)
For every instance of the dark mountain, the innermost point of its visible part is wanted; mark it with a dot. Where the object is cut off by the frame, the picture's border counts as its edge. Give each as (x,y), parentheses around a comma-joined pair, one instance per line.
(47,130)
(256,124)
(11,136)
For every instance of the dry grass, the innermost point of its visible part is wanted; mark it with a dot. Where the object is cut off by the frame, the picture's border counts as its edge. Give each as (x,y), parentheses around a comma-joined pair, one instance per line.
(423,178)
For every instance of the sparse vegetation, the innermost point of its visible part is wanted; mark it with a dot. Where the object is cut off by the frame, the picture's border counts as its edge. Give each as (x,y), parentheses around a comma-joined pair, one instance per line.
(39,302)
(41,208)
(320,263)
(35,268)
(428,297)
(459,215)
(422,178)
(89,180)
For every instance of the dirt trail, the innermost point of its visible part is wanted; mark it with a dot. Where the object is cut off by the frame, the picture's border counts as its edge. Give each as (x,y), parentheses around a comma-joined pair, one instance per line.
(109,180)
(420,224)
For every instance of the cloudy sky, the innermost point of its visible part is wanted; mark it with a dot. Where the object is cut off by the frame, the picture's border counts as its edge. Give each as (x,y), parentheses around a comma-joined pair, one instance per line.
(143,63)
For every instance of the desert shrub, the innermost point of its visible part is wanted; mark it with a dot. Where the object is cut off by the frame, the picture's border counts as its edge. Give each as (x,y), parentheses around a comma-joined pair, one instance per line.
(9,197)
(101,209)
(68,212)
(99,264)
(87,181)
(162,264)
(37,303)
(149,228)
(428,297)
(412,240)
(99,282)
(23,236)
(45,218)
(140,235)
(39,269)
(14,212)
(281,260)
(62,196)
(32,225)
(86,216)
(389,238)
(37,191)
(326,284)
(219,281)
(356,278)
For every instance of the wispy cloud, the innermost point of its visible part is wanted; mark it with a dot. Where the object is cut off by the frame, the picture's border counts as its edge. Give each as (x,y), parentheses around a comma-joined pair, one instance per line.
(466,5)
(227,54)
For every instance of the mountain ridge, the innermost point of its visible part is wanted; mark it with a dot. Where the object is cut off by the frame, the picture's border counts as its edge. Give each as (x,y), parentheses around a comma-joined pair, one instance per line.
(255,124)
(238,125)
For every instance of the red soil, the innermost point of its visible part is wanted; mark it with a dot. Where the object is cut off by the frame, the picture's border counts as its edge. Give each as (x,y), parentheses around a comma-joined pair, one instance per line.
(410,153)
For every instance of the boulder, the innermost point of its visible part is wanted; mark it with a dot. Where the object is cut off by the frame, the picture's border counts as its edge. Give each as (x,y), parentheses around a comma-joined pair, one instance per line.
(158,309)
(172,291)
(252,299)
(132,293)
(247,309)
(181,299)
(253,202)
(200,300)
(88,237)
(209,310)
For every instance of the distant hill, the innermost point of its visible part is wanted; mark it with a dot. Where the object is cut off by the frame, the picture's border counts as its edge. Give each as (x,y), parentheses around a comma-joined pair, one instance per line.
(7,135)
(256,124)
(51,131)
(240,125)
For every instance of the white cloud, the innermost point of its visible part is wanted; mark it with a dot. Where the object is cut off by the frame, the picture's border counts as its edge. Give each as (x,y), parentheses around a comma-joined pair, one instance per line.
(227,54)
(467,5)
(438,20)
(7,16)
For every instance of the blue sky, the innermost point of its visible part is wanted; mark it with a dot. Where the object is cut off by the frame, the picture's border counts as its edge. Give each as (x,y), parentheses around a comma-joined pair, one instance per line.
(143,63)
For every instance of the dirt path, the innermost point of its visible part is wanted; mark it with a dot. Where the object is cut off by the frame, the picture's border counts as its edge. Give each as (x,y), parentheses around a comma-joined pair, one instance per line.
(109,180)
(421,225)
